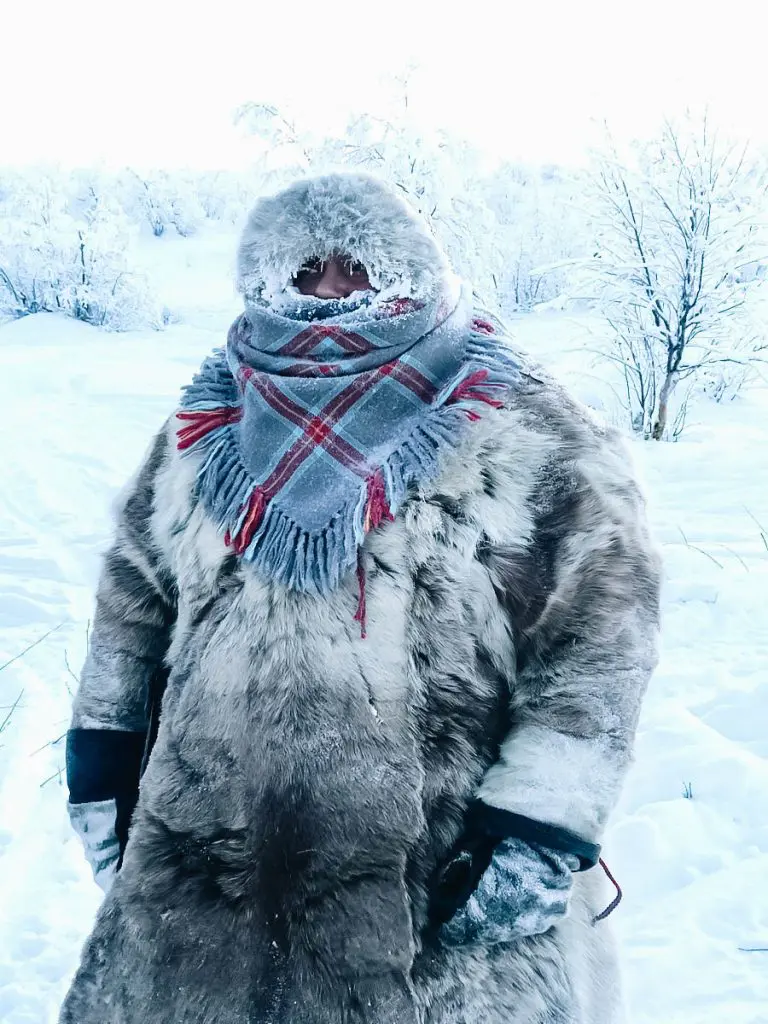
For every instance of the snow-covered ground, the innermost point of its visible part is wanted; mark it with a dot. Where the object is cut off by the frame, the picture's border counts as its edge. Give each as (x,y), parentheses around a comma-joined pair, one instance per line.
(80,407)
(694,921)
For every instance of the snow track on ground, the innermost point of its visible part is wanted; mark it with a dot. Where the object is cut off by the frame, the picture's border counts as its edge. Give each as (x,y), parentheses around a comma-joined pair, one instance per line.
(80,408)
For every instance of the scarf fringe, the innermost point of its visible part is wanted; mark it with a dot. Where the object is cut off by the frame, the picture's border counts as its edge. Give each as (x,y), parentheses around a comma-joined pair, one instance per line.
(261,533)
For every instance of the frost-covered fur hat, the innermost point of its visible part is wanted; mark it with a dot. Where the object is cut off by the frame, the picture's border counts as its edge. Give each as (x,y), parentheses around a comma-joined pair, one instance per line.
(351,213)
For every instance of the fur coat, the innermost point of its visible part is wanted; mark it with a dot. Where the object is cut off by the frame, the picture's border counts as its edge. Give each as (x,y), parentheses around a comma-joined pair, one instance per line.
(306,784)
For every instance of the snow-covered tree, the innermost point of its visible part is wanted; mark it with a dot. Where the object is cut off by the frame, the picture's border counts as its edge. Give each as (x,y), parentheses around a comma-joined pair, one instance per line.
(541,230)
(60,252)
(512,231)
(223,195)
(164,201)
(437,172)
(679,226)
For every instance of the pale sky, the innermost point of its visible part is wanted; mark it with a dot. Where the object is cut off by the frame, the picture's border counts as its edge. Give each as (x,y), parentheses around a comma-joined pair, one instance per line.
(156,82)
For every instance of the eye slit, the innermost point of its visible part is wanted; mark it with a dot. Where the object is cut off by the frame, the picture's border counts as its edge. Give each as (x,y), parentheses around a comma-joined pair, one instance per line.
(313,266)
(355,268)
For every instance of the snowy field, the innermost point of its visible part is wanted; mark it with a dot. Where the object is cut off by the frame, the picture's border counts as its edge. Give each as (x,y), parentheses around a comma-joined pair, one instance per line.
(690,841)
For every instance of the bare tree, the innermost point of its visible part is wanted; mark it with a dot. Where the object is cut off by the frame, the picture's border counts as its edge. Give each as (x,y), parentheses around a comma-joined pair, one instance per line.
(677,227)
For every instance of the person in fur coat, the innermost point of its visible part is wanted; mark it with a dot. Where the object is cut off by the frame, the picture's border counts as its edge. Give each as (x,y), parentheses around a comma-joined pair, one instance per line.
(374,632)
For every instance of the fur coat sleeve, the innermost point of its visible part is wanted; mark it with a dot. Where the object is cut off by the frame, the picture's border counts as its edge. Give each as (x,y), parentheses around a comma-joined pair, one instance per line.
(127,645)
(583,597)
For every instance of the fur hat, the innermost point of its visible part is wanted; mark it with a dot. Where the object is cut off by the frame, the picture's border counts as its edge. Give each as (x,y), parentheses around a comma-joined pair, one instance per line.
(356,214)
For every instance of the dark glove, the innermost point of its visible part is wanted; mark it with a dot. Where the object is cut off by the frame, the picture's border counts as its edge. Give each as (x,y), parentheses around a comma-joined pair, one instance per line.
(523,891)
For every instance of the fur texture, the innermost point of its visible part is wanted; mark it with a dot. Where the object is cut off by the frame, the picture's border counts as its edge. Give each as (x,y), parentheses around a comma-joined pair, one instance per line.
(306,784)
(351,214)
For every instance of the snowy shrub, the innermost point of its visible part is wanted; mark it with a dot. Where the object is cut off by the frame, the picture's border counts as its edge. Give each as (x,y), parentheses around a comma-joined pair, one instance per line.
(512,231)
(53,261)
(508,229)
(541,231)
(162,201)
(223,195)
(436,172)
(679,222)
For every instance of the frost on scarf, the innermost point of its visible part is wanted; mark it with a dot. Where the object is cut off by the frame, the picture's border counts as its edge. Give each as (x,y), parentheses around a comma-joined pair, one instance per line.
(311,442)
(320,414)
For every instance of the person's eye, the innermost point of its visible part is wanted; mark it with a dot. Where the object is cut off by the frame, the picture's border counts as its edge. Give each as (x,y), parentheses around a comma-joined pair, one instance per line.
(311,267)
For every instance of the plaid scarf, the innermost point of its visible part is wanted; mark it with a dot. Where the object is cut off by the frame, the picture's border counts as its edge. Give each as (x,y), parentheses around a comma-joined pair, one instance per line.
(319,416)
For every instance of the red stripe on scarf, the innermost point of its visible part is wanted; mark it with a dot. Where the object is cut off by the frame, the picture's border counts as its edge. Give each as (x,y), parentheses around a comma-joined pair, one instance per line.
(203,422)
(318,430)
(420,385)
(312,370)
(361,615)
(483,326)
(302,448)
(468,391)
(305,341)
(256,507)
(377,507)
(319,426)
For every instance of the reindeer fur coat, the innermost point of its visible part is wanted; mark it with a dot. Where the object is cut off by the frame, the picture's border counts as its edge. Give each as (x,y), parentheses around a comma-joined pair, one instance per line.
(305,784)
